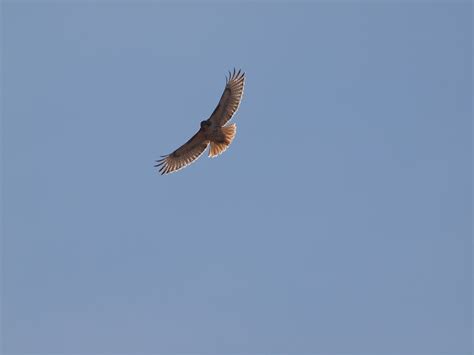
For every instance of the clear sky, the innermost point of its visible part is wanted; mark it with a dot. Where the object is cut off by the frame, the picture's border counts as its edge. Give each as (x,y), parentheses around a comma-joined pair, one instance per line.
(339,220)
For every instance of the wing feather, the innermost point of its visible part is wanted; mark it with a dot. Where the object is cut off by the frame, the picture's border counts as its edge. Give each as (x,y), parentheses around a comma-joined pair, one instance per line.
(184,155)
(230,99)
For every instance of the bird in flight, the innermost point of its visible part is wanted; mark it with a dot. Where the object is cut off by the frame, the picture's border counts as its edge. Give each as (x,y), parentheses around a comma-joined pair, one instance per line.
(213,131)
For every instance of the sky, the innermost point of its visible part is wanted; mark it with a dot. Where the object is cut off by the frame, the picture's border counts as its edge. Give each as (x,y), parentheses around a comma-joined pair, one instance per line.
(339,221)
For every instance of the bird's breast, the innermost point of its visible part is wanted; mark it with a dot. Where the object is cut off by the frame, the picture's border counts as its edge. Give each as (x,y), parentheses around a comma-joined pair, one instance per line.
(209,131)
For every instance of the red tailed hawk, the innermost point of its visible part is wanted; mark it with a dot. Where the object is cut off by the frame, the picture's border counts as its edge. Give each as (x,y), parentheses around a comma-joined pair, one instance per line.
(213,130)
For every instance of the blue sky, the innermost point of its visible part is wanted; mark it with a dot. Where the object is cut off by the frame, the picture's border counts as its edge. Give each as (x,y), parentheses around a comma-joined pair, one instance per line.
(339,221)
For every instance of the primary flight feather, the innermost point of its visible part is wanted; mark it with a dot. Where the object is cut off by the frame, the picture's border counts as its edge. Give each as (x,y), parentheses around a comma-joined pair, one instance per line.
(213,131)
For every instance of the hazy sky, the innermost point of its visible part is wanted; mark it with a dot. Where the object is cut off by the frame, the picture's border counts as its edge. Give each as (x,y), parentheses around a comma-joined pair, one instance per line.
(339,221)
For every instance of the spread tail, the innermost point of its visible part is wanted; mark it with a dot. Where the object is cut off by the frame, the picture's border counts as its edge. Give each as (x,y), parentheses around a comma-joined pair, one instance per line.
(219,148)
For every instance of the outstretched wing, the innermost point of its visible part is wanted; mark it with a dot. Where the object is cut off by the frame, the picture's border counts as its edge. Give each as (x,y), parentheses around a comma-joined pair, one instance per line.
(184,155)
(230,99)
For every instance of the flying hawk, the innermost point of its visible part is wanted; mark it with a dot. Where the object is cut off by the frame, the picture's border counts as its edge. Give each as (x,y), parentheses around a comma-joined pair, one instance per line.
(213,130)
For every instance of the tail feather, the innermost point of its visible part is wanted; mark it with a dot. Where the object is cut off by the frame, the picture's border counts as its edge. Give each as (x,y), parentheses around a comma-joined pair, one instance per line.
(219,148)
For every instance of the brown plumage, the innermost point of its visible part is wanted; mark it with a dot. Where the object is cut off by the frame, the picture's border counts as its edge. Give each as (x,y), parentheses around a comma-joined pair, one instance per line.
(213,131)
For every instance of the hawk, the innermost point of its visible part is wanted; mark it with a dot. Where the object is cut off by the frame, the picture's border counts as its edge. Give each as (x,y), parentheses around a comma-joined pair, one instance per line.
(213,131)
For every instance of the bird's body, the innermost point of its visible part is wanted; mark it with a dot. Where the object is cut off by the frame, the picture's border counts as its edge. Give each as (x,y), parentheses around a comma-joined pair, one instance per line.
(212,132)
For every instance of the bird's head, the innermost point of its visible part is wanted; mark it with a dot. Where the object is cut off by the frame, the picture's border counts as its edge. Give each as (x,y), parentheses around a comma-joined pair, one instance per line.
(205,124)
